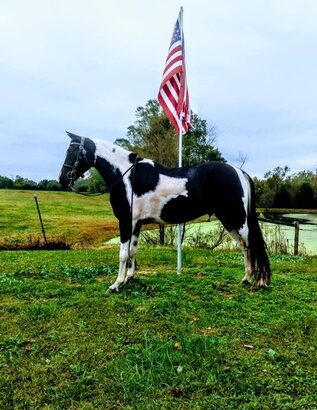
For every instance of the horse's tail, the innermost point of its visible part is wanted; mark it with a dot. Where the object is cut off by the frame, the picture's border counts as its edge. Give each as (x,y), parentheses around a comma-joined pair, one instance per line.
(260,263)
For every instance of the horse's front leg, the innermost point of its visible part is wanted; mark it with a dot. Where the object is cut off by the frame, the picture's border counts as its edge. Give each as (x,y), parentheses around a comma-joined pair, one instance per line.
(128,249)
(123,259)
(133,251)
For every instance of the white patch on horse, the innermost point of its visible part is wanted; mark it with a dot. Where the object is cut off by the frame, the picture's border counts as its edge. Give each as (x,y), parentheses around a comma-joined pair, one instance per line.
(147,161)
(245,184)
(150,204)
(118,159)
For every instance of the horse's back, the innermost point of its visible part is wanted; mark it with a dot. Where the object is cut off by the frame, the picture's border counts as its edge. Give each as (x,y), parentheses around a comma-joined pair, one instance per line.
(211,188)
(215,181)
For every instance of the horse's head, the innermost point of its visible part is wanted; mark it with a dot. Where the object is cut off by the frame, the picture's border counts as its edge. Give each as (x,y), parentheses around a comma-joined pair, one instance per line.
(80,156)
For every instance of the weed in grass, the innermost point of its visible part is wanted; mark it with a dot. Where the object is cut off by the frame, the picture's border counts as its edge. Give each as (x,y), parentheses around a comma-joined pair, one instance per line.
(82,274)
(40,311)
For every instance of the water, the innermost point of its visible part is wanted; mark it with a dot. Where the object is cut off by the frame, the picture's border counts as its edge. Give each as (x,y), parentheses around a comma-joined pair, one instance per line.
(281,233)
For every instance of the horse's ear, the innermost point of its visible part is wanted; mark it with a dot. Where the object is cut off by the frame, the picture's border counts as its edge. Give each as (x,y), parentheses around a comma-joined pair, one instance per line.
(72,136)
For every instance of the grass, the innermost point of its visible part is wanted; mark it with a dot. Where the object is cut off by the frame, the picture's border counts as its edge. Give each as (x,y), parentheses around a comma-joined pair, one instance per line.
(195,341)
(75,219)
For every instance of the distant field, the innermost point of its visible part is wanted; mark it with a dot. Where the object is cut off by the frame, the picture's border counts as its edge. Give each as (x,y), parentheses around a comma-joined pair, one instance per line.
(80,220)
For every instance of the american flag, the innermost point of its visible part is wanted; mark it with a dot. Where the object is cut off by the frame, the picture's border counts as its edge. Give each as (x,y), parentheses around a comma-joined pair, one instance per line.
(173,92)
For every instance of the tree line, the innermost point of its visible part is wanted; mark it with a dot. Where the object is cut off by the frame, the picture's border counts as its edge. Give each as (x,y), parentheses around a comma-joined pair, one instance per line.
(20,182)
(281,189)
(152,136)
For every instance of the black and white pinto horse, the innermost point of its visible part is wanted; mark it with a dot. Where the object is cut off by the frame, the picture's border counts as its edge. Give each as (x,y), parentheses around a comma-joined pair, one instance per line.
(143,191)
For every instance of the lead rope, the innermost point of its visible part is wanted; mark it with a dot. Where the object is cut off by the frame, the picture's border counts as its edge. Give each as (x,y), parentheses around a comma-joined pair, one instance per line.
(107,190)
(131,209)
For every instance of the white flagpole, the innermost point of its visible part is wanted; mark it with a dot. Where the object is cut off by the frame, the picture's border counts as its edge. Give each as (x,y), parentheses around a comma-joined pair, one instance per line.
(180,161)
(179,227)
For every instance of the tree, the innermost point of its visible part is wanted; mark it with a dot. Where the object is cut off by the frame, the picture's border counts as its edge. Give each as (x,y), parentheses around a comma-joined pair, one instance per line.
(49,185)
(304,197)
(282,198)
(94,183)
(274,190)
(24,183)
(5,182)
(281,190)
(152,136)
(277,177)
(199,143)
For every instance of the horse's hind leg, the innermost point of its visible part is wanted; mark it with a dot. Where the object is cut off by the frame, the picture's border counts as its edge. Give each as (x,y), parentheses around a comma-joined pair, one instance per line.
(241,237)
(248,276)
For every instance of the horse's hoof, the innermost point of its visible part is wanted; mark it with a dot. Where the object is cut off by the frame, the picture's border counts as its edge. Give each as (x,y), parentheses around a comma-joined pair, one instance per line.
(263,285)
(246,282)
(113,288)
(127,279)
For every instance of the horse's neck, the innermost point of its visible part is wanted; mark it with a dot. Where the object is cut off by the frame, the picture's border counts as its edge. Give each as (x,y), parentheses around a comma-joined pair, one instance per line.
(110,159)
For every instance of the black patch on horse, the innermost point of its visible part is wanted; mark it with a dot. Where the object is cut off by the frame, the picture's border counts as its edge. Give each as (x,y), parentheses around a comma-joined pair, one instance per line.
(146,178)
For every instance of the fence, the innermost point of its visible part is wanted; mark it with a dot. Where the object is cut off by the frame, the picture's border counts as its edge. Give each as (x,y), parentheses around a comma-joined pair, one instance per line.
(278,219)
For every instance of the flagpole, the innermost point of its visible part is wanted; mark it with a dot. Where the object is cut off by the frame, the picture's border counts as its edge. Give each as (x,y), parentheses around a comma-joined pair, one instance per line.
(179,227)
(180,162)
(176,104)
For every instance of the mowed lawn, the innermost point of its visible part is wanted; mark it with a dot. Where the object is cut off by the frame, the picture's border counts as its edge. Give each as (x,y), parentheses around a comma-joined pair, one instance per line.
(78,220)
(198,340)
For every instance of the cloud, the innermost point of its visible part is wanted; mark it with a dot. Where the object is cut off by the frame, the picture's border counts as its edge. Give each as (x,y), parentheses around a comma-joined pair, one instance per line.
(86,66)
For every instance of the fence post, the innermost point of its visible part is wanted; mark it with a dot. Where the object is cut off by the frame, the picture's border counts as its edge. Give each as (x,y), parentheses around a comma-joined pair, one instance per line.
(296,238)
(40,218)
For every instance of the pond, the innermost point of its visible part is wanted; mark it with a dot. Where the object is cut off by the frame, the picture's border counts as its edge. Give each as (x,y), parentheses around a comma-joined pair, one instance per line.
(279,238)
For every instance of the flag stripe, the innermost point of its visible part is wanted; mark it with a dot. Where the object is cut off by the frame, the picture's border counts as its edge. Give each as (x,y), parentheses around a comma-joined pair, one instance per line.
(175,53)
(173,93)
(169,108)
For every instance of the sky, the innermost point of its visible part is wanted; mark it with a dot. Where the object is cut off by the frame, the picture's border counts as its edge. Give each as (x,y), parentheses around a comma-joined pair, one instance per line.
(85,66)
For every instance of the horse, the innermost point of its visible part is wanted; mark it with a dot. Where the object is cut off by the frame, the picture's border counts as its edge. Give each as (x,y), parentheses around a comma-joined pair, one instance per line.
(143,191)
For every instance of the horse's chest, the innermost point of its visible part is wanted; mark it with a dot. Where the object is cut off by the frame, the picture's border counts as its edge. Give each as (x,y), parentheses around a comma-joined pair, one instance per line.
(151,204)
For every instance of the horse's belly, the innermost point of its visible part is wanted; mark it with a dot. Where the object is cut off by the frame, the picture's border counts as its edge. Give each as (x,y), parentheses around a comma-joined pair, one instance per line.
(181,209)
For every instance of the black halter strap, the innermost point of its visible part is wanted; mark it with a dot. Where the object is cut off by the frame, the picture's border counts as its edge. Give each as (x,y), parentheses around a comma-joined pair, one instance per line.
(81,150)
(120,178)
(71,175)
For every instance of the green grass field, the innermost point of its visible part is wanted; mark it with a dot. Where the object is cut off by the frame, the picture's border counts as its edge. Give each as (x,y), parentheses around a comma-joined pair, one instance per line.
(195,341)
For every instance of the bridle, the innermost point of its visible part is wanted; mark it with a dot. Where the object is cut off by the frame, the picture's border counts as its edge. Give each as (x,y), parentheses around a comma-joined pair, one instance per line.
(71,175)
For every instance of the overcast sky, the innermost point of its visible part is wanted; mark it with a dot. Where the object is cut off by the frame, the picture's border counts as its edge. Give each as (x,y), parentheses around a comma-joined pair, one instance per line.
(85,66)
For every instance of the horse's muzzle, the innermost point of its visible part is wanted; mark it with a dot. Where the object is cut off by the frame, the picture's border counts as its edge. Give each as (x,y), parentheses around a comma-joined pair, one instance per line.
(64,181)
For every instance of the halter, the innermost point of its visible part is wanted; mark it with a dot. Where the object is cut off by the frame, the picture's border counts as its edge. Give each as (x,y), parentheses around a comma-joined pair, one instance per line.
(71,175)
